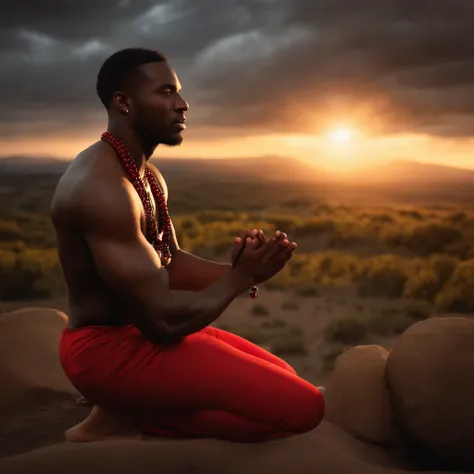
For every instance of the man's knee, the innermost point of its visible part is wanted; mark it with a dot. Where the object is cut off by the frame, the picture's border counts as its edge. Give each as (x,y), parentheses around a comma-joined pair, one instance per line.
(307,411)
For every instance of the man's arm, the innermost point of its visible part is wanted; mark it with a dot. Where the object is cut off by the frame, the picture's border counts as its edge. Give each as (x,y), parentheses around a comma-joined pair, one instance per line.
(187,271)
(109,219)
(190,272)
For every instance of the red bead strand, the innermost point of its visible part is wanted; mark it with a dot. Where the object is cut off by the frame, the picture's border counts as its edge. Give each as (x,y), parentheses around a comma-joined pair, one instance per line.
(161,245)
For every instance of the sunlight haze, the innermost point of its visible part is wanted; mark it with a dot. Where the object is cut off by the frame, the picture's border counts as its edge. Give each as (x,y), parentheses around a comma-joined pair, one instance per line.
(270,79)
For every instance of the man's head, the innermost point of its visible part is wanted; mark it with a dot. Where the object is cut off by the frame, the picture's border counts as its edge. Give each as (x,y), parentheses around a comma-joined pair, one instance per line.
(139,86)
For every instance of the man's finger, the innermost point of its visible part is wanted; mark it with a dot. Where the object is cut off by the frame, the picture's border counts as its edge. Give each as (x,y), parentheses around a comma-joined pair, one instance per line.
(273,248)
(288,253)
(269,245)
(249,233)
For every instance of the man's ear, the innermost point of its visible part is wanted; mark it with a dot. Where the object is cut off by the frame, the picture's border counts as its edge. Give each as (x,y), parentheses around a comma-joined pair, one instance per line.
(121,102)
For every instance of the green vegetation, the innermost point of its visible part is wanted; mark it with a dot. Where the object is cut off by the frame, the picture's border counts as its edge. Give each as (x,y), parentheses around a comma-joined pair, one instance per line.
(423,253)
(260,310)
(289,343)
(395,320)
(290,306)
(349,330)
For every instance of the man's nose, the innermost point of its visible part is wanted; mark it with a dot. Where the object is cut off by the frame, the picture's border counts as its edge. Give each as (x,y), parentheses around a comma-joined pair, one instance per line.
(181,104)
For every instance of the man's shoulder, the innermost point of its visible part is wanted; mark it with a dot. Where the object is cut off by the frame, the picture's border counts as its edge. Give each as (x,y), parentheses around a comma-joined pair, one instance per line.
(95,176)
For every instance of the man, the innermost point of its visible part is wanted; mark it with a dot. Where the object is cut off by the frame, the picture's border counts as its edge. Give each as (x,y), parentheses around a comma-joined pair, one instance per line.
(139,343)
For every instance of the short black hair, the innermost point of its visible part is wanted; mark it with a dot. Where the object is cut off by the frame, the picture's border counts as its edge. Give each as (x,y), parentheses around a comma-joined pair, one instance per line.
(118,68)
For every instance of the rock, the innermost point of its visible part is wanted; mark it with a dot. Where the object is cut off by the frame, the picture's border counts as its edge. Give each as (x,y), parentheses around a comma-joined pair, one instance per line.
(430,375)
(29,361)
(357,398)
(325,450)
(29,358)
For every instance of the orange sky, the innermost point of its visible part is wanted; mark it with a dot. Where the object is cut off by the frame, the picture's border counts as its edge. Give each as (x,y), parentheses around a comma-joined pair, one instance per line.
(325,150)
(255,75)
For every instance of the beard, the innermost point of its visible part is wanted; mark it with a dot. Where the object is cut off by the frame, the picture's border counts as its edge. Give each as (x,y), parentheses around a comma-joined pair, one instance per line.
(171,141)
(150,138)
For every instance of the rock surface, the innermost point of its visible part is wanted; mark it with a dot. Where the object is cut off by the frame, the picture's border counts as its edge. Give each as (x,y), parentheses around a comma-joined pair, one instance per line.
(31,433)
(29,361)
(357,398)
(430,374)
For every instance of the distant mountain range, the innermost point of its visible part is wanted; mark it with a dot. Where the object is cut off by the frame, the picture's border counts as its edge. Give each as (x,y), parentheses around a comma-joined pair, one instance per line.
(272,168)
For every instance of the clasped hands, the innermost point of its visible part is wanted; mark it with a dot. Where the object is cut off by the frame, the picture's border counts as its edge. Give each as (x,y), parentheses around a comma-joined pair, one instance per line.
(259,239)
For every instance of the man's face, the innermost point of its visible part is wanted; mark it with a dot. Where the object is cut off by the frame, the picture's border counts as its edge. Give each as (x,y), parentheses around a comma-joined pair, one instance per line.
(158,106)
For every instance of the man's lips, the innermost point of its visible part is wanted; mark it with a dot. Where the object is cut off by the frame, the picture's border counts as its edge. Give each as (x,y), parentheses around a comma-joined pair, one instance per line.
(180,125)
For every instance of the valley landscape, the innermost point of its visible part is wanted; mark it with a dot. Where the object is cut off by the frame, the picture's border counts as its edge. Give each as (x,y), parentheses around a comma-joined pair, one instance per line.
(362,272)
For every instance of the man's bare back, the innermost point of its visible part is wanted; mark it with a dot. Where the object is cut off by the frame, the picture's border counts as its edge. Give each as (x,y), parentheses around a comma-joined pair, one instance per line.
(91,301)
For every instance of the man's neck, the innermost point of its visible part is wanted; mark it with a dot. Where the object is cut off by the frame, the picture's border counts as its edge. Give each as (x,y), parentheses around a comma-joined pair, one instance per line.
(133,145)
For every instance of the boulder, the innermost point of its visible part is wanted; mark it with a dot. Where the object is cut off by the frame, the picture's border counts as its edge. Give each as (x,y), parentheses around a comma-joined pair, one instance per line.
(430,375)
(29,358)
(357,398)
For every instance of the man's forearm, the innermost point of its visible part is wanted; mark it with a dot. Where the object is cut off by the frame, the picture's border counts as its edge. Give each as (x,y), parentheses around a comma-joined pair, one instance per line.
(186,312)
(192,273)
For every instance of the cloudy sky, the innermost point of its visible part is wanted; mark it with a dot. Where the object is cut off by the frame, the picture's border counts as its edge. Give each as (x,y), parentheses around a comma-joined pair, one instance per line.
(334,81)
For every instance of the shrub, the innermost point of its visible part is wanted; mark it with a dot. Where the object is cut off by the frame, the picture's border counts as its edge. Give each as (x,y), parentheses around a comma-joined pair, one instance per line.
(10,232)
(286,223)
(383,282)
(458,217)
(416,215)
(30,274)
(330,357)
(457,294)
(307,290)
(426,239)
(291,343)
(348,330)
(290,306)
(383,218)
(422,285)
(274,324)
(260,310)
(418,310)
(314,226)
(207,217)
(391,321)
(443,266)
(389,324)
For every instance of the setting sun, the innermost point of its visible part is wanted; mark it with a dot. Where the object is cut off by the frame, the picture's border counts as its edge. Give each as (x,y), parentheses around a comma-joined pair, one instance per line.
(341,135)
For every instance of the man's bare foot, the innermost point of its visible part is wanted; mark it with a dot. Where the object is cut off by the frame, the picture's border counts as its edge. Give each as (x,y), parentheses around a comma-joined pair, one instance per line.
(82,401)
(100,425)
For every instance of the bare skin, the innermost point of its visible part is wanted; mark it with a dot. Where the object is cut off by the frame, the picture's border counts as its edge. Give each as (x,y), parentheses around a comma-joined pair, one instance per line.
(109,266)
(101,425)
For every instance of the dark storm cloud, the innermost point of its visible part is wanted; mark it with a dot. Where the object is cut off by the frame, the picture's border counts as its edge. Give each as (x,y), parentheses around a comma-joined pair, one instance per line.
(262,64)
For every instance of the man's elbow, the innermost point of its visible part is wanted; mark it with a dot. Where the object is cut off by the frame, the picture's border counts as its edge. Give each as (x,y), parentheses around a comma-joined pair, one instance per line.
(160,333)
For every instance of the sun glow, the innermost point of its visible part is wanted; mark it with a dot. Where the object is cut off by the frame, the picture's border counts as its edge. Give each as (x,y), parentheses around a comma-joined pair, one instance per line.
(341,135)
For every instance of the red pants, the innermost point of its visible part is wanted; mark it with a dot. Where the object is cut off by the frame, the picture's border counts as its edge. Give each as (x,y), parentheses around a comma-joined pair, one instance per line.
(212,384)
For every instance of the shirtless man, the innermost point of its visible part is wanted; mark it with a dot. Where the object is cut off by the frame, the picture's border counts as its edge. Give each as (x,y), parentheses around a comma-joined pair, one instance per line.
(139,343)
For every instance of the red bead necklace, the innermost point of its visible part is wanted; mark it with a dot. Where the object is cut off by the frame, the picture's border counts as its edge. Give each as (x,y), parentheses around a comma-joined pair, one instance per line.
(161,243)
